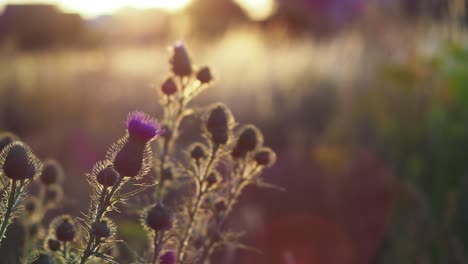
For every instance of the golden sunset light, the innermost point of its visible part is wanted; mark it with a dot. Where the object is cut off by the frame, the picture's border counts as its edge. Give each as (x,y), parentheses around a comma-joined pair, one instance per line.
(256,9)
(91,8)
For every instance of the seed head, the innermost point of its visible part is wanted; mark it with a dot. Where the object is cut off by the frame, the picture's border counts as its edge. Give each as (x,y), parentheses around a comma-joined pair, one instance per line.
(18,162)
(6,138)
(249,139)
(65,229)
(204,75)
(159,218)
(142,128)
(51,173)
(107,176)
(197,151)
(169,86)
(168,257)
(53,244)
(265,157)
(180,61)
(218,124)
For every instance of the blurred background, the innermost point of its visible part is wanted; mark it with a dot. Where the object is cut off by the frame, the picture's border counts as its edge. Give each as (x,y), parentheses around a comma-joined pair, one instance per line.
(364,101)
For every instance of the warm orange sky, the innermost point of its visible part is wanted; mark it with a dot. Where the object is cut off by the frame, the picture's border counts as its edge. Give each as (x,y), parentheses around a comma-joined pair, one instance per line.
(257,9)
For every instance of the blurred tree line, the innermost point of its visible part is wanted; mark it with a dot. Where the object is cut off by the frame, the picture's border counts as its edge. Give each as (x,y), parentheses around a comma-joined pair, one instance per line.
(47,27)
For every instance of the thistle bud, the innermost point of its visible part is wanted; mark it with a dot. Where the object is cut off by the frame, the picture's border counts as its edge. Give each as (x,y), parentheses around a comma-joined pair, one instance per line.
(107,177)
(101,229)
(53,244)
(265,157)
(204,75)
(218,124)
(169,86)
(197,151)
(248,140)
(31,205)
(53,194)
(129,161)
(180,61)
(168,257)
(65,230)
(7,138)
(166,174)
(51,172)
(212,179)
(18,162)
(159,218)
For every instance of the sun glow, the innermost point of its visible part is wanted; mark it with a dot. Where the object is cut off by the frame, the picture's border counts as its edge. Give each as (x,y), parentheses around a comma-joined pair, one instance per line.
(91,8)
(258,9)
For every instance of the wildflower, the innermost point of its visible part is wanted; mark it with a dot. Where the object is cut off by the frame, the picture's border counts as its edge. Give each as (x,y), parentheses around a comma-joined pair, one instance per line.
(265,157)
(204,75)
(143,128)
(65,229)
(53,244)
(180,61)
(107,176)
(159,218)
(132,157)
(248,140)
(51,172)
(169,257)
(218,124)
(6,138)
(197,151)
(169,87)
(18,162)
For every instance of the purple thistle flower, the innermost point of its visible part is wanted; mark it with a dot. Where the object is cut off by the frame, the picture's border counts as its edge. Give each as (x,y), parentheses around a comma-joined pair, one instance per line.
(168,257)
(142,127)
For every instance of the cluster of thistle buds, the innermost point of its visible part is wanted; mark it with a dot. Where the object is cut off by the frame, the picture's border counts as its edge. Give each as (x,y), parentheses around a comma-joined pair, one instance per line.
(209,180)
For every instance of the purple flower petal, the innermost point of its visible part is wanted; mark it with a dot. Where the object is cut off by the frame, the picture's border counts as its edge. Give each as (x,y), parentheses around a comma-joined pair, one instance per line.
(142,127)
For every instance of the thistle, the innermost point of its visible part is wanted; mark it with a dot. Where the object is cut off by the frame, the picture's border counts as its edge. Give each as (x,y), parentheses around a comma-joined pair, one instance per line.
(18,167)
(129,158)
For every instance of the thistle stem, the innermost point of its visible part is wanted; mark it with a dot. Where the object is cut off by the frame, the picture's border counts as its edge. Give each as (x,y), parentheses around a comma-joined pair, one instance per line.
(102,207)
(194,211)
(158,239)
(9,210)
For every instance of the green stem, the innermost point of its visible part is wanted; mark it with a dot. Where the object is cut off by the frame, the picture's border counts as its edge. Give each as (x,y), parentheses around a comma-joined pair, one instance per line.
(9,211)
